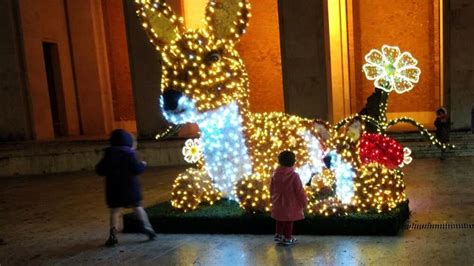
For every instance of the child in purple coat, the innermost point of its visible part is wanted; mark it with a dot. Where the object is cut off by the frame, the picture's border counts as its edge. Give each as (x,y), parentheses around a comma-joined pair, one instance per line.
(121,168)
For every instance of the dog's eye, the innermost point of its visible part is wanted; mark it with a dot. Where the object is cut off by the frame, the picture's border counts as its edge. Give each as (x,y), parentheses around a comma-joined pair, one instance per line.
(213,57)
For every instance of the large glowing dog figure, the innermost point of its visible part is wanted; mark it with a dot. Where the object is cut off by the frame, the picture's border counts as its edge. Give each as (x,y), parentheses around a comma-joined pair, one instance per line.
(204,81)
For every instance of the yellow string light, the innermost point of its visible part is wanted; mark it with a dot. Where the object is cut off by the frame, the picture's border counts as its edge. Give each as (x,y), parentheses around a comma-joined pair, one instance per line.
(192,188)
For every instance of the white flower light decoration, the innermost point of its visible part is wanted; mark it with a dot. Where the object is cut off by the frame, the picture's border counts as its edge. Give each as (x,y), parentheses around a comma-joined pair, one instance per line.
(392,70)
(406,157)
(192,150)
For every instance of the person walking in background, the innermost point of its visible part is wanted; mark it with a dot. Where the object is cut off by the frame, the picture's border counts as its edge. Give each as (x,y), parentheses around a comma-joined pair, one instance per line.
(443,126)
(121,168)
(288,198)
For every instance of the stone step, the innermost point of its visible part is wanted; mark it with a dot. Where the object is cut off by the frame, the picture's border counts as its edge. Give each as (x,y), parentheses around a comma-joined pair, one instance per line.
(37,158)
(422,148)
(415,136)
(425,150)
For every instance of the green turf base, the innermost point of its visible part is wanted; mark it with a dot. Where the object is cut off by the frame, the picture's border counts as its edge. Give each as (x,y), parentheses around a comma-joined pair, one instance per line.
(225,217)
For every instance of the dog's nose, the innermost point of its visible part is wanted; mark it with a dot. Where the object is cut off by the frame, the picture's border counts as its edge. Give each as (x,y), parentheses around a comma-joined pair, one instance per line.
(171,98)
(328,161)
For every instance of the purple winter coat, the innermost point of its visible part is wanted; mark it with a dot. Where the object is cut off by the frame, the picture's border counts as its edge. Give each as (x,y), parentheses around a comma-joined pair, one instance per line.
(121,168)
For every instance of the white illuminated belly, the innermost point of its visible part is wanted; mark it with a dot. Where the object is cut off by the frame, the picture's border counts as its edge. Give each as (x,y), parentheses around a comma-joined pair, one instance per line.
(226,155)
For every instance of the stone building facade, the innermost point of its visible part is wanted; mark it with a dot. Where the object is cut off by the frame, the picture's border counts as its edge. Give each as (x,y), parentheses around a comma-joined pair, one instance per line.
(76,69)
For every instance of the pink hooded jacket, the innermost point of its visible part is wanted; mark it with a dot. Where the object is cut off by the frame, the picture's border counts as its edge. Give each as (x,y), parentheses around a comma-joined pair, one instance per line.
(287,195)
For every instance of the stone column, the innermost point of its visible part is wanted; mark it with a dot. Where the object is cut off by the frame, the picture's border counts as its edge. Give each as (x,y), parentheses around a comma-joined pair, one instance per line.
(14,106)
(145,66)
(304,57)
(459,61)
(89,50)
(119,65)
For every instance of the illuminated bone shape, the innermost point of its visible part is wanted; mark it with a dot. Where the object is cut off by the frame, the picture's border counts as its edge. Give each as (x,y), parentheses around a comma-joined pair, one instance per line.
(205,70)
(391,70)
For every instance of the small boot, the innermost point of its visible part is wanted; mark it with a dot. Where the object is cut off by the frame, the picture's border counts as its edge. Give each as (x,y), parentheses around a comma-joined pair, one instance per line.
(148,231)
(443,155)
(112,241)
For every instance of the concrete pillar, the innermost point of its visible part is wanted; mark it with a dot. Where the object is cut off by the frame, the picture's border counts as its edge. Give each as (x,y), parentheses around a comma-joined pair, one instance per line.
(304,57)
(119,66)
(459,61)
(145,66)
(51,17)
(14,118)
(89,50)
(339,91)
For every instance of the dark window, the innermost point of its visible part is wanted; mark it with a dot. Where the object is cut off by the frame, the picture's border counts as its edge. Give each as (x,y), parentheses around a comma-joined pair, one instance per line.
(55,88)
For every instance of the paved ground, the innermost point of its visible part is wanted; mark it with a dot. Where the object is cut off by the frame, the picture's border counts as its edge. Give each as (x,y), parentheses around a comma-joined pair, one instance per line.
(62,220)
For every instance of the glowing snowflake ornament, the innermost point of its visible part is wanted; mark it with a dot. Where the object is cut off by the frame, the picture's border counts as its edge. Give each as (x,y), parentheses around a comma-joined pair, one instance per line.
(192,150)
(392,70)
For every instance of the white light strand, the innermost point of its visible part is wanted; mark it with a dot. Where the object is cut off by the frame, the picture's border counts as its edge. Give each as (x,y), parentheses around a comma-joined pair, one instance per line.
(345,174)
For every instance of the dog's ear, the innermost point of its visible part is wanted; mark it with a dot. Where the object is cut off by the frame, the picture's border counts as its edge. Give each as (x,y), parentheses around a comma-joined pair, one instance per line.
(227,19)
(159,21)
(323,129)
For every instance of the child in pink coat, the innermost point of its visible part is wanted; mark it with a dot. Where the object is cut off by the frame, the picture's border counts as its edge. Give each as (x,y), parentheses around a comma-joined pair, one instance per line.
(288,198)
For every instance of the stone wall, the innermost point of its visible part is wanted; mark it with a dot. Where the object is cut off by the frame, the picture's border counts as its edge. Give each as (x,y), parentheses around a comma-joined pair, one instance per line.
(91,66)
(14,111)
(459,54)
(117,48)
(46,21)
(304,57)
(260,51)
(412,25)
(38,158)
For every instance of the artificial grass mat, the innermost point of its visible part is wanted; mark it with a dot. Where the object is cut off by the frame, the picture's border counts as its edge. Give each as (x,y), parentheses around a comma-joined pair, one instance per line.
(226,217)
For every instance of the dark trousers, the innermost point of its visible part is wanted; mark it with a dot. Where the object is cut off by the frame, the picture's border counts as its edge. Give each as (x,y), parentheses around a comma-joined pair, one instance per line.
(284,228)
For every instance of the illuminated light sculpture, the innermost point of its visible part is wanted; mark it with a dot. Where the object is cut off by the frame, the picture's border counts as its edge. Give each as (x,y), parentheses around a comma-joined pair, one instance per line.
(204,81)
